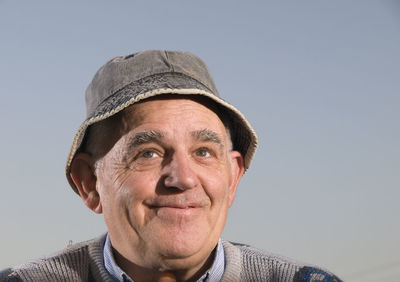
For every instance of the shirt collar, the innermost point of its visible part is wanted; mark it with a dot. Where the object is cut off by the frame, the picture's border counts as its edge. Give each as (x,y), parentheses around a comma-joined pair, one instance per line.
(118,275)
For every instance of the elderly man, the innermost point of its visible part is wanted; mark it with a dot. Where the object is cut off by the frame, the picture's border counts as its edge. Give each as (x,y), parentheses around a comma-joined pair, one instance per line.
(160,155)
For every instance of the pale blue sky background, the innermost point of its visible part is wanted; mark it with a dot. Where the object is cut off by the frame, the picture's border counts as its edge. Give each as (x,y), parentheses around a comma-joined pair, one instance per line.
(319,81)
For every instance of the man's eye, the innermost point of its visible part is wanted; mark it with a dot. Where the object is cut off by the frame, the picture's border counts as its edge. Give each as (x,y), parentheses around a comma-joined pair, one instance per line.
(203,152)
(148,154)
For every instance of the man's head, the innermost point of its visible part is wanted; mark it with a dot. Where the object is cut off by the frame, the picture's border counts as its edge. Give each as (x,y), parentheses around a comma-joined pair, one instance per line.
(158,160)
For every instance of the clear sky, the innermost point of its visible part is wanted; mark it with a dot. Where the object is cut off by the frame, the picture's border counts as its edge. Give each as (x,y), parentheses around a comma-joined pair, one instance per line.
(319,81)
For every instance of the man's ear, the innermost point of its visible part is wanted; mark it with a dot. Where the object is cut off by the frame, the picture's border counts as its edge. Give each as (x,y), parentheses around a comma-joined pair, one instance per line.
(85,180)
(237,170)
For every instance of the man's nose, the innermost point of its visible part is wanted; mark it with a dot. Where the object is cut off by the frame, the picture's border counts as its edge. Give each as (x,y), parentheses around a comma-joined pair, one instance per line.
(179,173)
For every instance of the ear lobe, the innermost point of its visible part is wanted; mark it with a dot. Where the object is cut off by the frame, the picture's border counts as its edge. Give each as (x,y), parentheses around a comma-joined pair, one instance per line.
(85,181)
(237,170)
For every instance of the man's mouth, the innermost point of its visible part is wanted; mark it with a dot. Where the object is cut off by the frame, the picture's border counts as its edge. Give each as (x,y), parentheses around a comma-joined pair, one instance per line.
(175,206)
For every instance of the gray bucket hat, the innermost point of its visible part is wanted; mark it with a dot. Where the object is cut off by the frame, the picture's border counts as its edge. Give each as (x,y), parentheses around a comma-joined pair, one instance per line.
(125,80)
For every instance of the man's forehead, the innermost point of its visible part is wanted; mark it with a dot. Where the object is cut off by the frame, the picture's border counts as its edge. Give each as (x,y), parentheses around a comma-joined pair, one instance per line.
(137,112)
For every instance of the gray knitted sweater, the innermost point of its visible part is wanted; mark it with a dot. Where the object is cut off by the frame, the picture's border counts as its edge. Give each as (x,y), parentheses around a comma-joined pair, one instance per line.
(84,262)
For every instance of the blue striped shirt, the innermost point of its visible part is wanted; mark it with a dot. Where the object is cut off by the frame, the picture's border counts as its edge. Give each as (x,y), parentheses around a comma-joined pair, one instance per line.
(214,274)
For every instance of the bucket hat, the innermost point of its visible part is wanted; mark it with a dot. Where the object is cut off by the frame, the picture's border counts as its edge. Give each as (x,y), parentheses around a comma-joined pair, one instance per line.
(126,80)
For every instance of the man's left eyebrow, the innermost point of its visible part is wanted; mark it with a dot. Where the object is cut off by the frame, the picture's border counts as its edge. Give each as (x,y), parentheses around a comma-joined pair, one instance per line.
(207,135)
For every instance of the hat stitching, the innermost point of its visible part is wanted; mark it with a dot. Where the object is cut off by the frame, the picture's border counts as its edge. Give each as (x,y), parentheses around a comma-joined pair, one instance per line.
(146,84)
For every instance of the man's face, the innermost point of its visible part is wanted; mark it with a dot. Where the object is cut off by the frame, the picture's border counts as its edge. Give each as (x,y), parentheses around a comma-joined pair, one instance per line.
(166,185)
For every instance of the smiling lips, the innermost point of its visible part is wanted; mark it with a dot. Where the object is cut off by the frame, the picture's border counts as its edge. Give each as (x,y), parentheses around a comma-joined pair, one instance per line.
(176,213)
(174,203)
(177,209)
(176,206)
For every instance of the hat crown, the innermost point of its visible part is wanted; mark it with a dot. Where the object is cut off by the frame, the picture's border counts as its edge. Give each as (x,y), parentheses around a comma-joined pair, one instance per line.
(124,70)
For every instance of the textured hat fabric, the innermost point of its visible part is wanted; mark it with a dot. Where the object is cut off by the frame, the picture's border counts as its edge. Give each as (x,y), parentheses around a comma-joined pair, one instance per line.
(125,80)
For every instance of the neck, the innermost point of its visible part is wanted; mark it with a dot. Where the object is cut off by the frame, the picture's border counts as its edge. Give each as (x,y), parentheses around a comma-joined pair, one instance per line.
(176,272)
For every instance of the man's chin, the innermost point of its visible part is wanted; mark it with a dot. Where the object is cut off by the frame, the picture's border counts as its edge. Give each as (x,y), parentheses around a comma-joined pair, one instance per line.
(180,242)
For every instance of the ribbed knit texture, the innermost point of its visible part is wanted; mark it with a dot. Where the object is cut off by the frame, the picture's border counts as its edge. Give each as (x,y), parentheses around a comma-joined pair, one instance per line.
(84,262)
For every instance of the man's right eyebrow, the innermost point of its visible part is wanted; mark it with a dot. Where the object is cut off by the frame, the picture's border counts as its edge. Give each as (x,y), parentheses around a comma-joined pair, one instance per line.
(144,137)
